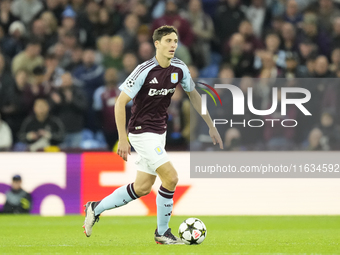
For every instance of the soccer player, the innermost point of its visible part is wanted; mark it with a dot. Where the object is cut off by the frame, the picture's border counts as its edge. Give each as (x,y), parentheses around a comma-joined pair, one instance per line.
(151,86)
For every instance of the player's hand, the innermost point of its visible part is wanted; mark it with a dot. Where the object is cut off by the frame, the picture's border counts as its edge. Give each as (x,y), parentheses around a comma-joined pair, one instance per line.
(124,149)
(215,136)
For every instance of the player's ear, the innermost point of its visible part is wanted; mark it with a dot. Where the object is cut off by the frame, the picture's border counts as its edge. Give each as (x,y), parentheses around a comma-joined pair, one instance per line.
(156,44)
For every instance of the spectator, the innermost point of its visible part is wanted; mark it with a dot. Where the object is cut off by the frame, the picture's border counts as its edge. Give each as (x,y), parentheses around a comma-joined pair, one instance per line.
(104,100)
(76,59)
(115,58)
(17,107)
(268,69)
(249,138)
(53,71)
(78,6)
(103,46)
(203,29)
(70,42)
(5,136)
(51,26)
(28,59)
(56,7)
(172,18)
(89,22)
(327,12)
(259,16)
(292,63)
(272,42)
(141,10)
(115,16)
(336,33)
(26,10)
(39,87)
(6,84)
(292,14)
(143,34)
(89,76)
(307,49)
(311,31)
(129,32)
(322,68)
(105,23)
(251,43)
(146,51)
(326,135)
(241,61)
(15,42)
(68,22)
(6,16)
(130,62)
(276,136)
(227,20)
(41,129)
(38,33)
(307,70)
(17,199)
(288,34)
(69,104)
(335,58)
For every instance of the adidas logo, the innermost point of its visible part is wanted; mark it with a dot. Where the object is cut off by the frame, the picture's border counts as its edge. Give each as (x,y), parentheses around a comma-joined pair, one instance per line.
(154,80)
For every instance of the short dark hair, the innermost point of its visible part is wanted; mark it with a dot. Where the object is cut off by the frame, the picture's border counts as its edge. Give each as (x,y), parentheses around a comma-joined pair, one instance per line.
(34,41)
(163,31)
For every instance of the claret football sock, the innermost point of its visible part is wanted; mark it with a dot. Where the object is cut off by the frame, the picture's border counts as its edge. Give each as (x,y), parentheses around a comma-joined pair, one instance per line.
(119,197)
(164,209)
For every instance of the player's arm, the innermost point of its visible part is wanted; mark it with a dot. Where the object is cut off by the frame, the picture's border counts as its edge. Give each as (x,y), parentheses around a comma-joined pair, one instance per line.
(195,99)
(124,147)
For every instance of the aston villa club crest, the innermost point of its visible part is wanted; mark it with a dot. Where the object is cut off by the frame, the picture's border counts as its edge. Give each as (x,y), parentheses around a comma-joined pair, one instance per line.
(174,77)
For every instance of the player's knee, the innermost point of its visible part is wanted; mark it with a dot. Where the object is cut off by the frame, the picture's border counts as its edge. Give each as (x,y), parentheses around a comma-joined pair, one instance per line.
(172,182)
(142,191)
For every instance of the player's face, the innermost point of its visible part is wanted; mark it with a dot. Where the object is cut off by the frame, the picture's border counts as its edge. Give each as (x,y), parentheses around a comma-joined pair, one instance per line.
(168,45)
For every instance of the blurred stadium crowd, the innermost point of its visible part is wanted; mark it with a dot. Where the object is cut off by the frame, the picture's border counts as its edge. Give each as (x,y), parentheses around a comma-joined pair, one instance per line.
(61,62)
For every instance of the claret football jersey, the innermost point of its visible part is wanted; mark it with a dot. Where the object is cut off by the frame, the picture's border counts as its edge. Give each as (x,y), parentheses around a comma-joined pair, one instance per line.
(151,87)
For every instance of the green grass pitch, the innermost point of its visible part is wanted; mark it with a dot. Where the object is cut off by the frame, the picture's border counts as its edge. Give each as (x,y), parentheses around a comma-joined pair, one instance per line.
(134,235)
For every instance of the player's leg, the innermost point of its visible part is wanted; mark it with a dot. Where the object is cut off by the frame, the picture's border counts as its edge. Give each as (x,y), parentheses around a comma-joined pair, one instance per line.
(143,183)
(164,201)
(121,196)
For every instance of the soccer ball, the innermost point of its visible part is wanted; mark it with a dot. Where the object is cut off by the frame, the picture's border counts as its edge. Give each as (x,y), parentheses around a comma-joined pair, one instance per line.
(192,231)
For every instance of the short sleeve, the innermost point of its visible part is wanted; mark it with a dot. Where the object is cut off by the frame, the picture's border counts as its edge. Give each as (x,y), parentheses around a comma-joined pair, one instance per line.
(187,83)
(135,81)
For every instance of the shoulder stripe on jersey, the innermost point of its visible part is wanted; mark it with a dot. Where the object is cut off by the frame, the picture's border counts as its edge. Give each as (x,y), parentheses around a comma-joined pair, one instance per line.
(141,70)
(143,65)
(175,61)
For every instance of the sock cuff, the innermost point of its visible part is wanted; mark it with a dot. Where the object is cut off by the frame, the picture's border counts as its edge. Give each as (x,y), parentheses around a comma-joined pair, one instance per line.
(131,191)
(165,193)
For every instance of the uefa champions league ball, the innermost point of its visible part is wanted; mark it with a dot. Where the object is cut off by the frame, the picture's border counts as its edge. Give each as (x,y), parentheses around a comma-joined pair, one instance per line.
(192,231)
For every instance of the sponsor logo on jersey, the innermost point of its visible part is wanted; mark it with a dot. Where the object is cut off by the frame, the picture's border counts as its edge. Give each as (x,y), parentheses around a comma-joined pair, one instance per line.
(174,77)
(163,92)
(154,80)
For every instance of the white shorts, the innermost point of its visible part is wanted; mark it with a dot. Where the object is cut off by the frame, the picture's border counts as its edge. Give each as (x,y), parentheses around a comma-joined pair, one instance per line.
(150,149)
